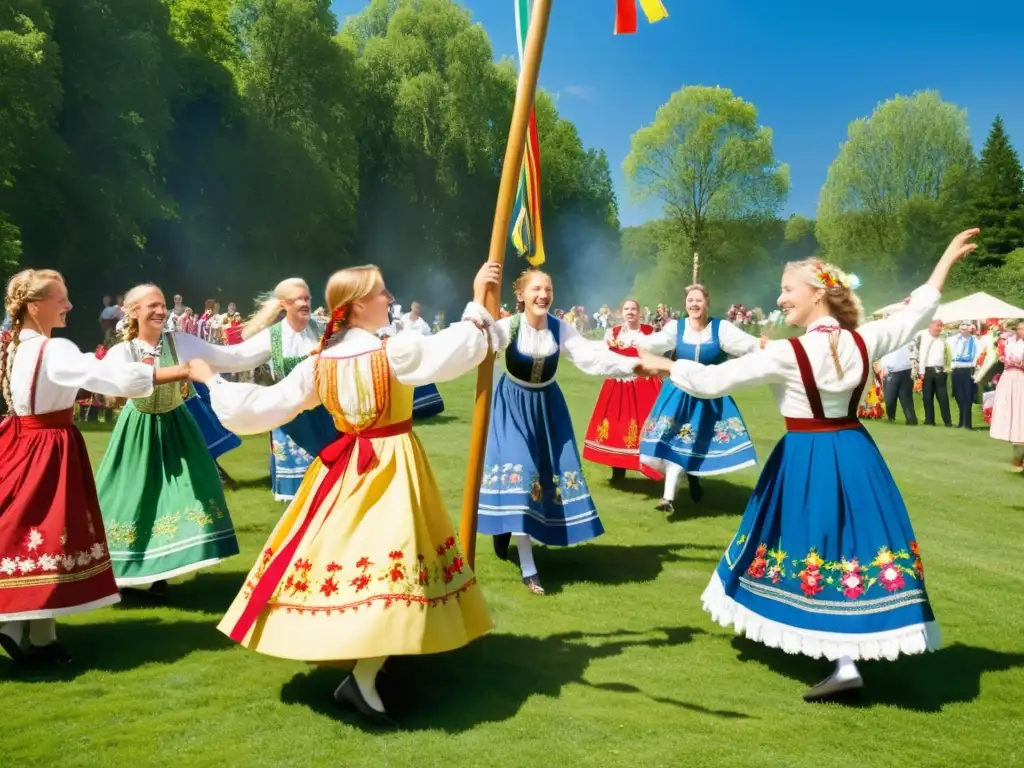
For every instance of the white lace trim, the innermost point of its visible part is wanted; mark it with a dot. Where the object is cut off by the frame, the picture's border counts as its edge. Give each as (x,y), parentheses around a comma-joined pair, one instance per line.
(914,639)
(498,335)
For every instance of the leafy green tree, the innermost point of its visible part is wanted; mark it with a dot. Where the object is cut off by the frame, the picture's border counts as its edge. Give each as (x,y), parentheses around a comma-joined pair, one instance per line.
(997,199)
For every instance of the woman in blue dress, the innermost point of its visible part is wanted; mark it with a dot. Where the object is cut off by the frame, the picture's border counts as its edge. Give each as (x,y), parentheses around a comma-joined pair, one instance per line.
(825,562)
(533,485)
(684,434)
(427,401)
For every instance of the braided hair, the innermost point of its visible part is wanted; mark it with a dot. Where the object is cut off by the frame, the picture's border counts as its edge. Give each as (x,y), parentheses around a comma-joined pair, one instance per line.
(26,287)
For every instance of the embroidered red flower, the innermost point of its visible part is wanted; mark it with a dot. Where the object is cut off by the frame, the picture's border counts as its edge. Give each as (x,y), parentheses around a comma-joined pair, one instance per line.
(396,573)
(424,577)
(364,563)
(360,582)
(333,568)
(852,580)
(440,550)
(267,554)
(810,581)
(457,565)
(303,565)
(759,564)
(891,577)
(301,586)
(329,587)
(449,542)
(396,554)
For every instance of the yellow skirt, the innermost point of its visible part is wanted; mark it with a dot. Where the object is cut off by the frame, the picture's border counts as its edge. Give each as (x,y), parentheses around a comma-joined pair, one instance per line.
(378,571)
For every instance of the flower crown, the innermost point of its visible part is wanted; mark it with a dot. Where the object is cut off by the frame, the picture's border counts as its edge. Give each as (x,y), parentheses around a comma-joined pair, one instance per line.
(833,277)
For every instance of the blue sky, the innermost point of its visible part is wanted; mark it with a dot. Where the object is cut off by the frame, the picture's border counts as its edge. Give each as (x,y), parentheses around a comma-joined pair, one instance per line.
(809,67)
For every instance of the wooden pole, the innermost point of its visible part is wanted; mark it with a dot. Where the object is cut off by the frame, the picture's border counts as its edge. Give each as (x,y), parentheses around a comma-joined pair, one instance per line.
(514,151)
(696,268)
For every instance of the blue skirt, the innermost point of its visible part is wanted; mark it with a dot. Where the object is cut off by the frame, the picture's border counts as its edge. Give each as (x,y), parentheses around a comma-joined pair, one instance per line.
(825,561)
(704,437)
(294,446)
(218,440)
(426,402)
(533,481)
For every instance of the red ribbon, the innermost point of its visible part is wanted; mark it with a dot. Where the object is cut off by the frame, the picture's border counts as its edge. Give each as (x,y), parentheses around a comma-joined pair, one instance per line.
(625,17)
(336,457)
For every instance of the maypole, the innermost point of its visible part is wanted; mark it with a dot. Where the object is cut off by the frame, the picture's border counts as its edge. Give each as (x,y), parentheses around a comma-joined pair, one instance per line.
(520,188)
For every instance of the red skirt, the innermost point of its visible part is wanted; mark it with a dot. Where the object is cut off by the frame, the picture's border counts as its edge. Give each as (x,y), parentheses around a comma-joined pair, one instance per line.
(613,437)
(53,549)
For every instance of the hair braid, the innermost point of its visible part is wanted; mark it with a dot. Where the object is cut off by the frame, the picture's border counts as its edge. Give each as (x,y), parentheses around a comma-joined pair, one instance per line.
(10,352)
(130,330)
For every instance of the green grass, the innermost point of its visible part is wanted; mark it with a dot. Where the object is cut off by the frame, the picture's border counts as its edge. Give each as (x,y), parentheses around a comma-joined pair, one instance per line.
(618,666)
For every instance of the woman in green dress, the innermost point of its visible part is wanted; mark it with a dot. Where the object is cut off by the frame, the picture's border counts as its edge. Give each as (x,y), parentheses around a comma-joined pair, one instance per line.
(160,493)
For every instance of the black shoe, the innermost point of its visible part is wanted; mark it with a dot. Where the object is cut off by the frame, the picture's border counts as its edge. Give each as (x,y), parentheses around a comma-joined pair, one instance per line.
(13,648)
(696,491)
(501,542)
(54,653)
(533,584)
(348,693)
(665,506)
(158,589)
(618,474)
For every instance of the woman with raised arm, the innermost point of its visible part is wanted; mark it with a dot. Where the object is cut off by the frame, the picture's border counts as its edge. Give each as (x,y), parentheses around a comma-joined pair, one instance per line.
(364,563)
(53,551)
(613,436)
(161,497)
(533,486)
(689,435)
(825,561)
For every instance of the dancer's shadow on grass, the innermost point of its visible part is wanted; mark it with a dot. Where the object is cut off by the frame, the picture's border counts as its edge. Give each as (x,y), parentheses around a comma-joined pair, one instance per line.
(922,683)
(120,647)
(440,419)
(615,565)
(722,498)
(207,592)
(248,483)
(490,680)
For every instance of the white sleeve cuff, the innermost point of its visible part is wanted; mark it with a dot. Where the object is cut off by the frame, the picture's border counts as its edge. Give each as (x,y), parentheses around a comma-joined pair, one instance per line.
(478,313)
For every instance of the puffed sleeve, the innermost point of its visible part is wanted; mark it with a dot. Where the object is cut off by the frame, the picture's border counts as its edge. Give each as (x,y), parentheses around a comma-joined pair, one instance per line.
(250,354)
(736,342)
(890,333)
(417,360)
(711,381)
(249,409)
(592,356)
(659,342)
(67,366)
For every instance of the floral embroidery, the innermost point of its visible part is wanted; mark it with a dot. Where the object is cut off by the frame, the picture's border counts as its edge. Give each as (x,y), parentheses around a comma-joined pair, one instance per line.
(39,564)
(124,535)
(725,430)
(632,438)
(602,432)
(510,478)
(289,448)
(888,571)
(396,578)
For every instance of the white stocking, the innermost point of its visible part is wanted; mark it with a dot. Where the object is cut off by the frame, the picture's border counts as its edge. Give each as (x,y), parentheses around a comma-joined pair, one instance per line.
(672,474)
(365,674)
(42,632)
(846,669)
(525,548)
(14,630)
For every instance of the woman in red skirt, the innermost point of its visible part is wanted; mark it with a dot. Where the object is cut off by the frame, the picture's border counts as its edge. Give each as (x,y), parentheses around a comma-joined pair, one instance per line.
(53,551)
(613,437)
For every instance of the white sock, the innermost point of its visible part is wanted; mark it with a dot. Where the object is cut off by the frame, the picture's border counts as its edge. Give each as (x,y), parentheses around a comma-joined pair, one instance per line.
(14,630)
(42,632)
(525,547)
(672,474)
(365,674)
(846,669)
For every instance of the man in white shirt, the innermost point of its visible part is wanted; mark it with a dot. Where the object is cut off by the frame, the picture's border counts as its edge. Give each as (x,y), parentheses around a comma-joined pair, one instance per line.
(966,349)
(932,350)
(899,385)
(413,320)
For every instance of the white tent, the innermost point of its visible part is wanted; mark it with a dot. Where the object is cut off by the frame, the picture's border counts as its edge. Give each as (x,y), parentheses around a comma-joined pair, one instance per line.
(977,306)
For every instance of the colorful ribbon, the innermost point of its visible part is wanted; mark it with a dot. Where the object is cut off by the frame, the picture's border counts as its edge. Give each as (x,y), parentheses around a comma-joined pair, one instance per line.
(526,232)
(626,15)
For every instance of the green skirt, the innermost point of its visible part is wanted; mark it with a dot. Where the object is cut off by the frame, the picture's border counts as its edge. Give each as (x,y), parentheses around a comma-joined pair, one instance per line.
(161,498)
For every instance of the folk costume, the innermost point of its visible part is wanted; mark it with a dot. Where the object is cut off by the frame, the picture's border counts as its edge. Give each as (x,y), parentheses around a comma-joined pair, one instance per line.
(825,561)
(53,551)
(685,434)
(613,436)
(533,485)
(965,349)
(364,563)
(427,401)
(1008,404)
(933,361)
(159,489)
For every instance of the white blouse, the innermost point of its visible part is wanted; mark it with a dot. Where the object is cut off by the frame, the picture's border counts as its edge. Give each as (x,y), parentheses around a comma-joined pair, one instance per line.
(1013,349)
(227,359)
(65,369)
(777,365)
(591,356)
(733,341)
(419,325)
(248,409)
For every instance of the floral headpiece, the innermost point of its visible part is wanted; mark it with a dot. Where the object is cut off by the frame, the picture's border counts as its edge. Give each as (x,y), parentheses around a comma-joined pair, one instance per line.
(834,277)
(334,324)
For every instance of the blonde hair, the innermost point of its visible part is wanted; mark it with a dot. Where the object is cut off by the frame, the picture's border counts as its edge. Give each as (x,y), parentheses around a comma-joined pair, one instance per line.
(133,300)
(269,306)
(520,283)
(843,304)
(704,292)
(26,287)
(626,301)
(344,287)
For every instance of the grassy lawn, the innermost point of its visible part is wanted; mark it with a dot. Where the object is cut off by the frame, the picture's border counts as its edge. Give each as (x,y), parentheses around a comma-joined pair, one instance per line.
(618,665)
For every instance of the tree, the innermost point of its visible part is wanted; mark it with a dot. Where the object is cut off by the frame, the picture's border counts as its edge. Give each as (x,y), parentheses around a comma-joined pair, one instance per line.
(997,200)
(892,195)
(709,162)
